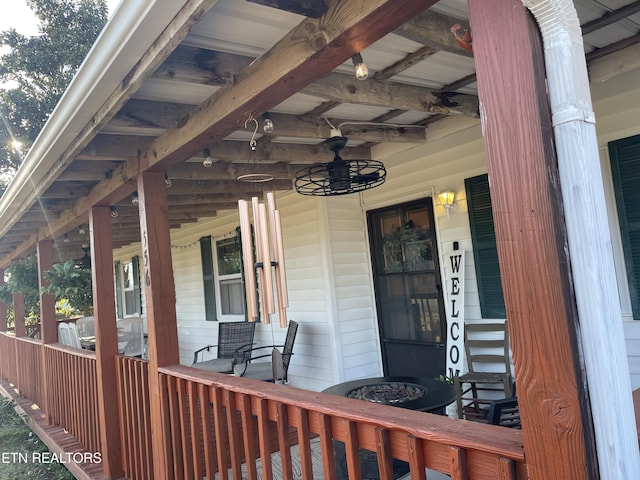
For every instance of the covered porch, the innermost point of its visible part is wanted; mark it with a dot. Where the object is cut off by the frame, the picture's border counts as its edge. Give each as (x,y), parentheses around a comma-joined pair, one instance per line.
(194,75)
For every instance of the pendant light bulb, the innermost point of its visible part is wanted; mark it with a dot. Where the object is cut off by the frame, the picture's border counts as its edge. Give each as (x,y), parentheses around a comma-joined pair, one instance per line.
(208,161)
(114,212)
(267,123)
(362,72)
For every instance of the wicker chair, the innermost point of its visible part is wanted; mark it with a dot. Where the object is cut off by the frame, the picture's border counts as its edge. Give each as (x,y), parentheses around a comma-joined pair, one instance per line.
(231,337)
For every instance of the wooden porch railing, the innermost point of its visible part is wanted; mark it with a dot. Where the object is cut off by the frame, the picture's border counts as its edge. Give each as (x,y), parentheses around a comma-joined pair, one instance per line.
(207,410)
(29,367)
(135,426)
(72,395)
(8,369)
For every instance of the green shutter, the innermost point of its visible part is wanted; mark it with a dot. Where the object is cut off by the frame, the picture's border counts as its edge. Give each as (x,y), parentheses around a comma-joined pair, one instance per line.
(118,269)
(625,169)
(485,251)
(208,281)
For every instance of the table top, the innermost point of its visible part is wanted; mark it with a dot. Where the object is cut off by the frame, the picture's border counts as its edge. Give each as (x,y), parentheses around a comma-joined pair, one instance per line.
(437,395)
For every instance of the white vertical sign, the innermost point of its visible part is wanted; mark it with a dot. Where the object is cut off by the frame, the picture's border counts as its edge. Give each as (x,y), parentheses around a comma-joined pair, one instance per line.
(454,301)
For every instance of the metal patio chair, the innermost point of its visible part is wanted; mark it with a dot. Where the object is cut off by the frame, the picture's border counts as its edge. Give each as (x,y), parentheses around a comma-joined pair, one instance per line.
(273,370)
(231,337)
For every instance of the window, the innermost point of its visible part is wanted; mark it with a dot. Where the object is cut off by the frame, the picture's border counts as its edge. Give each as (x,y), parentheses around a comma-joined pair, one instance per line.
(222,276)
(485,250)
(229,266)
(128,299)
(625,170)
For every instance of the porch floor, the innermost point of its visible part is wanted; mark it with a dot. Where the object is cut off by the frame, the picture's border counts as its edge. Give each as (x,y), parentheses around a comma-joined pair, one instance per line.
(55,438)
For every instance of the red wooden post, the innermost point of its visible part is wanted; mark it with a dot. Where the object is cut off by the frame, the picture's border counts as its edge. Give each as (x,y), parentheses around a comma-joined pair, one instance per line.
(104,312)
(3,306)
(48,323)
(531,237)
(48,327)
(161,307)
(18,315)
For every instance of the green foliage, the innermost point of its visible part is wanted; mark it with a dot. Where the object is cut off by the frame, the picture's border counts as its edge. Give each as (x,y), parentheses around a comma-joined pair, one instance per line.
(22,277)
(72,282)
(17,442)
(37,70)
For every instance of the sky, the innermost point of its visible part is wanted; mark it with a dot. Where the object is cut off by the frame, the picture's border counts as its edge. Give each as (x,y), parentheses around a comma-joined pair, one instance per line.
(19,16)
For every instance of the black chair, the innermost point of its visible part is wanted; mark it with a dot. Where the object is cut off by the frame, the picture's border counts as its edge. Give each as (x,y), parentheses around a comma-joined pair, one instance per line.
(276,368)
(232,336)
(505,412)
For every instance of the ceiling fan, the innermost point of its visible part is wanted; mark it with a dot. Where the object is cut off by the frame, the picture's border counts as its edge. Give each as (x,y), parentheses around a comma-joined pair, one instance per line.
(339,177)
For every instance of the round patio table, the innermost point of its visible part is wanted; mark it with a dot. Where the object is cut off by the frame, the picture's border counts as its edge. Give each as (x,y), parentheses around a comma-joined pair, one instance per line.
(435,394)
(423,394)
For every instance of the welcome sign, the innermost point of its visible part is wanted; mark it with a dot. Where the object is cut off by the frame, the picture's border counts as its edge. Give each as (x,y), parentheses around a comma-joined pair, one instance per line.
(454,306)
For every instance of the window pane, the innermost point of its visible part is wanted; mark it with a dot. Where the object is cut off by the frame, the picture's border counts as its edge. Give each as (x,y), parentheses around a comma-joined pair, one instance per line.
(231,297)
(129,302)
(127,269)
(228,256)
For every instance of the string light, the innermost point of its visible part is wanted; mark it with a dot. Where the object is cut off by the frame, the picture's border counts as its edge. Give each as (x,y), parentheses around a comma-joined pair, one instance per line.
(114,212)
(208,161)
(362,72)
(267,123)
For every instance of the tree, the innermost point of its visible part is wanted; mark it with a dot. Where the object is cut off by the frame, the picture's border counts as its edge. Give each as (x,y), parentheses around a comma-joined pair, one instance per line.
(35,71)
(22,277)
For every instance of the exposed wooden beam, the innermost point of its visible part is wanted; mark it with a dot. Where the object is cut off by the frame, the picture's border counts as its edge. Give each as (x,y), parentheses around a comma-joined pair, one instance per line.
(231,171)
(613,48)
(308,8)
(221,186)
(313,48)
(348,89)
(434,30)
(114,147)
(611,17)
(404,64)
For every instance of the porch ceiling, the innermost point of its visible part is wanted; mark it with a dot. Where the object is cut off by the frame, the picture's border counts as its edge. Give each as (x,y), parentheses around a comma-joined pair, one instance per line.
(196,91)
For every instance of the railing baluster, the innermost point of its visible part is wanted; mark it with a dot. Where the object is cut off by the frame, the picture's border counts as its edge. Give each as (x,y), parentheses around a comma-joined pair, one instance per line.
(283,441)
(416,458)
(352,449)
(264,434)
(134,414)
(221,435)
(235,442)
(248,425)
(383,451)
(506,469)
(183,412)
(175,418)
(326,448)
(207,431)
(304,443)
(196,433)
(458,462)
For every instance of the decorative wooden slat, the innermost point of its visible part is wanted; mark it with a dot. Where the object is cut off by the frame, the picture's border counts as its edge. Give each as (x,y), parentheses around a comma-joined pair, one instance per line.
(383,451)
